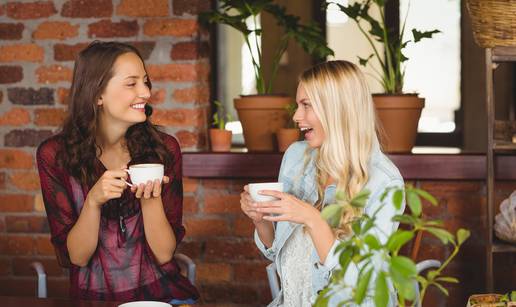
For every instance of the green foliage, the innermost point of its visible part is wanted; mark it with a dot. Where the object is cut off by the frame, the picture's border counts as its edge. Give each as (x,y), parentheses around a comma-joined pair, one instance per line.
(391,72)
(291,108)
(234,13)
(364,243)
(220,117)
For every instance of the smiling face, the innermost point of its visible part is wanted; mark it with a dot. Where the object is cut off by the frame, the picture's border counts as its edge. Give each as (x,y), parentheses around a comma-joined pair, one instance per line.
(307,120)
(124,98)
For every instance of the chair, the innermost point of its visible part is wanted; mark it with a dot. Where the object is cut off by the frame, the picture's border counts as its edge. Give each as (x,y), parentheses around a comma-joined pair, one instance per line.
(421,266)
(185,263)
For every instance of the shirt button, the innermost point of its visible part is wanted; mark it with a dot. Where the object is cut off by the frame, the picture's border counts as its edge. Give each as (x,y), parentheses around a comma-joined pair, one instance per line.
(316,265)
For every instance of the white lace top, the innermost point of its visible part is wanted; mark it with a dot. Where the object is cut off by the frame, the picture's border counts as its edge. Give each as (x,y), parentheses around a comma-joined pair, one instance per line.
(296,273)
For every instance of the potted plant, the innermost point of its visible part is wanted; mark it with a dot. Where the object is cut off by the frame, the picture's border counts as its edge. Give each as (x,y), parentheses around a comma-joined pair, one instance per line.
(220,138)
(398,112)
(400,272)
(263,114)
(290,133)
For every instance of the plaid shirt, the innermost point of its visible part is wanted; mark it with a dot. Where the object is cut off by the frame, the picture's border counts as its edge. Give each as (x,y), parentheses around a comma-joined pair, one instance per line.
(123,267)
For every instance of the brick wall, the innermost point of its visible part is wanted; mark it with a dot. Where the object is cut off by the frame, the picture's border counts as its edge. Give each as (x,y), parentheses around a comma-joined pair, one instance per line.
(38,43)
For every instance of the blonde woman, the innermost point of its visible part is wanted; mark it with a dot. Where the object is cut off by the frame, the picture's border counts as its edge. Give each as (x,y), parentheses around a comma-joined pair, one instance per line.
(340,152)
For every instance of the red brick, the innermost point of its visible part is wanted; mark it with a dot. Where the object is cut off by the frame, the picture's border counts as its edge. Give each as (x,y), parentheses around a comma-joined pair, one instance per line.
(11,31)
(190,185)
(43,246)
(21,52)
(190,205)
(30,10)
(217,184)
(222,204)
(16,203)
(152,8)
(213,272)
(189,51)
(179,117)
(26,137)
(230,293)
(198,94)
(2,9)
(56,30)
(179,72)
(30,96)
(158,96)
(22,266)
(54,74)
(170,27)
(228,251)
(28,181)
(145,48)
(49,117)
(250,272)
(2,180)
(2,224)
(10,74)
(64,52)
(26,224)
(12,158)
(62,95)
(15,117)
(206,227)
(192,7)
(16,245)
(189,139)
(59,287)
(243,227)
(191,249)
(107,28)
(451,186)
(5,266)
(87,8)
(18,287)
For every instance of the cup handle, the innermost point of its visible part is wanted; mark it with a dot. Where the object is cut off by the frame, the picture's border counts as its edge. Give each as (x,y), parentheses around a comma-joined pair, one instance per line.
(129,184)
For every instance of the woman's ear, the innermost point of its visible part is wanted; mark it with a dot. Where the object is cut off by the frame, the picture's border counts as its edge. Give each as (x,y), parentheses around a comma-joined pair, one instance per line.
(99,101)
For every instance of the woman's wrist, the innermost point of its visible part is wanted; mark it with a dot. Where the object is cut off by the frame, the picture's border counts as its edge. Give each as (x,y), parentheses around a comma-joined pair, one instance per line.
(314,220)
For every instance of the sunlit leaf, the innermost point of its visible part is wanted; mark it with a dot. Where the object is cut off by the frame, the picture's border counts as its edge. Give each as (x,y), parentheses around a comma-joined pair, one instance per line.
(381,292)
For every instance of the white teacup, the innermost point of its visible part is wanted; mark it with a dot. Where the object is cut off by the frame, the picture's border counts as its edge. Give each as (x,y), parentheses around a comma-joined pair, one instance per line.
(141,173)
(254,188)
(145,304)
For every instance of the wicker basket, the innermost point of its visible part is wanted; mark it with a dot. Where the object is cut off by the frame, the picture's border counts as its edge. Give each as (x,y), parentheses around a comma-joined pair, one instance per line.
(493,22)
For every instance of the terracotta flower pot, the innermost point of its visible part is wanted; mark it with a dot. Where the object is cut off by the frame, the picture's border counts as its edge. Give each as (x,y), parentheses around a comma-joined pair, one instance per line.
(287,137)
(261,117)
(399,117)
(220,140)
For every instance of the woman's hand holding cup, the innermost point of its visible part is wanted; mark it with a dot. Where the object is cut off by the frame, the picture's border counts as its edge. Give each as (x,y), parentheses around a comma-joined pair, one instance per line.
(246,203)
(251,195)
(109,186)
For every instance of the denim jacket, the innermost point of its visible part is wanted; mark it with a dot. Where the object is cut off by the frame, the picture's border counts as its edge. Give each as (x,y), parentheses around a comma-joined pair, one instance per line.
(301,182)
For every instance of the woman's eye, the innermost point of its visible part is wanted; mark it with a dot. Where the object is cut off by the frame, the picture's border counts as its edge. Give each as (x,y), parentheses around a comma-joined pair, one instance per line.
(131,84)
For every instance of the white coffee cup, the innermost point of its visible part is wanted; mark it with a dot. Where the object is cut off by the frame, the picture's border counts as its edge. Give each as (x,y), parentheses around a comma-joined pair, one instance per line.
(145,304)
(141,173)
(254,188)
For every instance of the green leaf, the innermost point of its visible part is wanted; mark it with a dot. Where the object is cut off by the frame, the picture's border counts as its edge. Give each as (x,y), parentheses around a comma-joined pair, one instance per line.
(397,199)
(322,299)
(362,286)
(372,242)
(448,279)
(402,283)
(414,203)
(462,235)
(381,293)
(427,196)
(441,234)
(405,219)
(332,214)
(432,274)
(363,61)
(361,198)
(404,265)
(443,289)
(420,35)
(398,239)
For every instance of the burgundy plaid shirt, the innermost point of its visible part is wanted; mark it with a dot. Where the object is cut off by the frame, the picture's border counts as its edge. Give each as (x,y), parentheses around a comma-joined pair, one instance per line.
(123,267)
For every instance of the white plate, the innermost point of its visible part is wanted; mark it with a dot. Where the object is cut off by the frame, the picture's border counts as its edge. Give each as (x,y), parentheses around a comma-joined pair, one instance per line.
(145,304)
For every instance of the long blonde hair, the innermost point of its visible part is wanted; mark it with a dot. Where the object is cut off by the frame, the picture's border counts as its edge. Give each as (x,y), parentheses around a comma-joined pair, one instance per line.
(342,101)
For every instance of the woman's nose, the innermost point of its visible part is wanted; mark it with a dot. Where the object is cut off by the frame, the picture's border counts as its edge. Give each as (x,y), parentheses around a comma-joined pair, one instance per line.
(297,115)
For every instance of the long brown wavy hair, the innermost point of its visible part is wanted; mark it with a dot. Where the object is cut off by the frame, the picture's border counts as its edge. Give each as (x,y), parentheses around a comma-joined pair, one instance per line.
(92,71)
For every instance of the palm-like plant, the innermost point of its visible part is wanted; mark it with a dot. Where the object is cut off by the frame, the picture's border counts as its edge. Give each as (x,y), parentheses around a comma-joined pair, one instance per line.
(235,13)
(392,72)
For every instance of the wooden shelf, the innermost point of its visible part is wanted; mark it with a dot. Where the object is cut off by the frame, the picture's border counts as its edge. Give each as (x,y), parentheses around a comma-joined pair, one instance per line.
(504,54)
(504,146)
(502,247)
